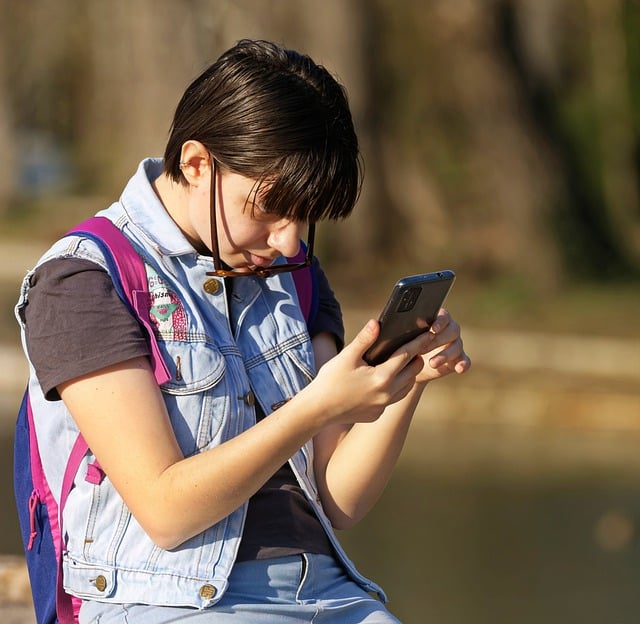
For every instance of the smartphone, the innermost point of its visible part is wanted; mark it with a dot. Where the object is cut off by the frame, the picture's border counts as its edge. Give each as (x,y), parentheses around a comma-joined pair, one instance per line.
(410,310)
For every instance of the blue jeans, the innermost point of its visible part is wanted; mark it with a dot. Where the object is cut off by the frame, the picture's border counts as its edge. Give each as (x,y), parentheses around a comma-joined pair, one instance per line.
(288,590)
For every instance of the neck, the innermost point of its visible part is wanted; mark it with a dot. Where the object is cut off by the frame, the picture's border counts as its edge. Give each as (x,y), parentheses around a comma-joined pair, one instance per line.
(175,199)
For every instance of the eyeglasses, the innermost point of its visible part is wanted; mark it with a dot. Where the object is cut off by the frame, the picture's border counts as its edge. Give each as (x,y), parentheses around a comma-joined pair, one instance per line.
(245,271)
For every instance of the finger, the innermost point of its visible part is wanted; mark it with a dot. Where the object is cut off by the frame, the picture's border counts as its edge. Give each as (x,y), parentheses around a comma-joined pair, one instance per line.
(447,335)
(407,353)
(442,320)
(463,365)
(450,353)
(363,339)
(459,365)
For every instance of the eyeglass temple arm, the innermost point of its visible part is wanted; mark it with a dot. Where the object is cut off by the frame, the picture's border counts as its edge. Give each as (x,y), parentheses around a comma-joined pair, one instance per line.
(215,252)
(310,241)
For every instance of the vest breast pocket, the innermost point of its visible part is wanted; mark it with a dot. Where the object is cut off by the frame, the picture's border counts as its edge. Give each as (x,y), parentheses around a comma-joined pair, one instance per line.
(196,396)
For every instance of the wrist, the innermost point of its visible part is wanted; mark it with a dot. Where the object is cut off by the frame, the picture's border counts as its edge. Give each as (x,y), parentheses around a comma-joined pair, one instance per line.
(310,407)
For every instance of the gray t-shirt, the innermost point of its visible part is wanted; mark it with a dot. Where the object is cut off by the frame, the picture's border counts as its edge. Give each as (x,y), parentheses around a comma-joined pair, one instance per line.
(76,324)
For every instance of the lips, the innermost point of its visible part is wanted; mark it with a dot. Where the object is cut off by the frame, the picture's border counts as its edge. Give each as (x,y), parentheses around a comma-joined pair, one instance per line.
(260,261)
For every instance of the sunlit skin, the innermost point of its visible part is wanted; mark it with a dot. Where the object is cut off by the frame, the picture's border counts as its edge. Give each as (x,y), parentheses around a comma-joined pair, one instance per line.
(357,415)
(247,236)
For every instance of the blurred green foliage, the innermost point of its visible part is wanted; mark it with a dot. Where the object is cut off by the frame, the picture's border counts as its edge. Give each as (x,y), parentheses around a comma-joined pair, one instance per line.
(500,139)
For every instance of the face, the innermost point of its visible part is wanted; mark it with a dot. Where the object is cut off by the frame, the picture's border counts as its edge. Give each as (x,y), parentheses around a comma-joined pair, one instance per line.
(247,236)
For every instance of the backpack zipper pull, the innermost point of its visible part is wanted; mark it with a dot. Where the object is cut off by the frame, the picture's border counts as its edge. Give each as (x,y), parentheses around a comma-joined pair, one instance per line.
(34,500)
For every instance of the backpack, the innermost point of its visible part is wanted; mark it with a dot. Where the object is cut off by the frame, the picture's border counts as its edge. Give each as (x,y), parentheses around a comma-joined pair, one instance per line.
(39,515)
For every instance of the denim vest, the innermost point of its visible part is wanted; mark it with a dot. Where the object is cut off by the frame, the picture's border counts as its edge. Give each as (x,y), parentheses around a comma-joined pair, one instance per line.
(223,355)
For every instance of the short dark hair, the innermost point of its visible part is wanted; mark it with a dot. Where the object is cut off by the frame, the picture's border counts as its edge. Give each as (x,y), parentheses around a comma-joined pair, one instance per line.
(274,115)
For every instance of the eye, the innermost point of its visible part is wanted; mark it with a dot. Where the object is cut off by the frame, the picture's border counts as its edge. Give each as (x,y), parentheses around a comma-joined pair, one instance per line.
(259,213)
(255,203)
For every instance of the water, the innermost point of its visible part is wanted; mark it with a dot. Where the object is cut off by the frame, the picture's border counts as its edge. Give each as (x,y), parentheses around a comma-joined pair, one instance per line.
(485,525)
(481,552)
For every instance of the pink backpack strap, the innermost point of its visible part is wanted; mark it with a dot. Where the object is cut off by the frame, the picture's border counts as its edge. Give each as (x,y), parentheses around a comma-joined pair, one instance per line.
(127,264)
(130,280)
(66,609)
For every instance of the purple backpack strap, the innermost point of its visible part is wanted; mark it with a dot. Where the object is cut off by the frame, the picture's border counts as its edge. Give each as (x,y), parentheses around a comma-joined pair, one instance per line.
(306,287)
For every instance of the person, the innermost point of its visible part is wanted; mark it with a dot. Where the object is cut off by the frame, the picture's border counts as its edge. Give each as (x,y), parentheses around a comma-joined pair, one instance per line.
(221,488)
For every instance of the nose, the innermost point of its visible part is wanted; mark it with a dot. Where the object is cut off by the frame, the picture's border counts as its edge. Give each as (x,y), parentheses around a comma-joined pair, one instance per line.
(285,238)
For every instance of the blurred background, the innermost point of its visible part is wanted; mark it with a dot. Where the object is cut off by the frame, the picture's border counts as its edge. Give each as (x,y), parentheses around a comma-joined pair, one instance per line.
(501,139)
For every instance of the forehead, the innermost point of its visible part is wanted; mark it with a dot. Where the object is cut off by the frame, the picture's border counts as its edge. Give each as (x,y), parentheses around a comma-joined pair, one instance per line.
(273,194)
(238,185)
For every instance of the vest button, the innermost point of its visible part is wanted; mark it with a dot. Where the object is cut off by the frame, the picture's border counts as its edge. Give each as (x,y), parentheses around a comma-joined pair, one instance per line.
(207,591)
(250,398)
(212,286)
(101,583)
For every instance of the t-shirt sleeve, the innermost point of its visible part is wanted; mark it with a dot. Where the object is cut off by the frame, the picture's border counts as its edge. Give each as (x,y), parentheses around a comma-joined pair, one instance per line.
(329,315)
(75,323)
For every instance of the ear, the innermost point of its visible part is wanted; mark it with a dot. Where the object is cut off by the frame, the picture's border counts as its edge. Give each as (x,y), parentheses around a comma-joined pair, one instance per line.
(195,162)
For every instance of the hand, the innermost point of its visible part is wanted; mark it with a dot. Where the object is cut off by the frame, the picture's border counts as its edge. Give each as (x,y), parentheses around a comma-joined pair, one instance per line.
(352,391)
(446,353)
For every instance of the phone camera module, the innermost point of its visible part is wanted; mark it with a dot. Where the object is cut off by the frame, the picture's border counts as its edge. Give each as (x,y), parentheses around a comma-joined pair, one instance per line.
(408,299)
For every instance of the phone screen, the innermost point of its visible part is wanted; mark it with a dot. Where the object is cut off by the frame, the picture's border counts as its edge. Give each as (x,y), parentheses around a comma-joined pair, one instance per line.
(410,310)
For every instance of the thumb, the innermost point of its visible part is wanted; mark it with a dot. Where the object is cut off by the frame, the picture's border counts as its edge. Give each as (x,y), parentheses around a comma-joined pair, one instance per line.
(364,339)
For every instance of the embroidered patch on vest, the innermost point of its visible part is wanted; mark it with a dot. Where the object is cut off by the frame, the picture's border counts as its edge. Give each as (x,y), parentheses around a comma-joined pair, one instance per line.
(166,311)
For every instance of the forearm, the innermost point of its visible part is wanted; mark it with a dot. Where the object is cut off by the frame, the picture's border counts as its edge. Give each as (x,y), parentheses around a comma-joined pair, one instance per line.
(174,498)
(213,484)
(363,460)
(353,463)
